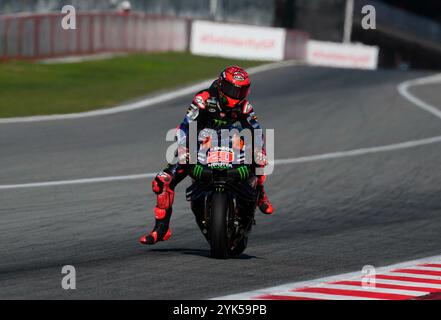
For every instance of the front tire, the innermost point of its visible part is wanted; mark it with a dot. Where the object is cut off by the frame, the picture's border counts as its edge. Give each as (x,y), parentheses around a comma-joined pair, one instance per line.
(219,226)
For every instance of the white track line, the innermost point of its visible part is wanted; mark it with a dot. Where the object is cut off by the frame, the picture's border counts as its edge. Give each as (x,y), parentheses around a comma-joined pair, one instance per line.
(402,89)
(321,296)
(362,151)
(326,156)
(77,181)
(148,102)
(373,289)
(408,283)
(352,276)
(427,268)
(412,275)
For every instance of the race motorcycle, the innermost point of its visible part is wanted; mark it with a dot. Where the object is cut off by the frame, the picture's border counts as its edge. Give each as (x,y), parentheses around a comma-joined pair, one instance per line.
(223,198)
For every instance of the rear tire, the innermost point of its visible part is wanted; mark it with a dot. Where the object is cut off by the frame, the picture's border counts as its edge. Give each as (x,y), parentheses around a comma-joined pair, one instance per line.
(218,226)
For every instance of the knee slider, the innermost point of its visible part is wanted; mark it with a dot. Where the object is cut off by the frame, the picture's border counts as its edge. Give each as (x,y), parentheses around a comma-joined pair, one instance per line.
(261,180)
(165,195)
(161,182)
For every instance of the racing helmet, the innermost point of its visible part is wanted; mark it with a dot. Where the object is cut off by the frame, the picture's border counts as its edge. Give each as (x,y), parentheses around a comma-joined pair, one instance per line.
(233,86)
(125,6)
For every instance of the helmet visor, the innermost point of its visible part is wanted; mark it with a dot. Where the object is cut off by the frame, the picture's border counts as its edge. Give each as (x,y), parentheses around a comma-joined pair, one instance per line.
(233,91)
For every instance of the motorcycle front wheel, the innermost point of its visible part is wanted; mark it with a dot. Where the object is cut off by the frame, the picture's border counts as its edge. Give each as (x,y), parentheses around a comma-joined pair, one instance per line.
(219,226)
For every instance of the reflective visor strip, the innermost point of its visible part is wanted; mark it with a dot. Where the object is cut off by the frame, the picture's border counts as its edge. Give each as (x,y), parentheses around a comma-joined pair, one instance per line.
(233,91)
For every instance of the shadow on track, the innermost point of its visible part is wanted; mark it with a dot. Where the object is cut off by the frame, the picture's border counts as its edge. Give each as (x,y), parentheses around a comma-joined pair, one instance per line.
(202,253)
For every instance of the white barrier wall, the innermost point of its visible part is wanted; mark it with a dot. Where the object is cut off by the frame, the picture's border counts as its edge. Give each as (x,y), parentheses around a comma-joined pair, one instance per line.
(39,36)
(341,55)
(237,41)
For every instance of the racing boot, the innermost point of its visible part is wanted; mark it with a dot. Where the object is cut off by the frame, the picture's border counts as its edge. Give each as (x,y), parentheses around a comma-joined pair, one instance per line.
(263,202)
(163,210)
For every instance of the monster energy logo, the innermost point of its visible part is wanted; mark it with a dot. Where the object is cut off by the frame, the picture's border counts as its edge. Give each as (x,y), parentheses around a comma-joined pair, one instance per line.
(219,166)
(197,171)
(219,122)
(243,171)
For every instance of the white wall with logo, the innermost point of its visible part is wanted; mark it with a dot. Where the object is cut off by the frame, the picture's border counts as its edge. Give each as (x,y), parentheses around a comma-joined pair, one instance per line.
(341,55)
(237,41)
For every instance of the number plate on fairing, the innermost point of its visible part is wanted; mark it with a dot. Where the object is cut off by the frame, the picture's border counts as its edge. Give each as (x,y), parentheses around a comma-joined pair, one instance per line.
(220,158)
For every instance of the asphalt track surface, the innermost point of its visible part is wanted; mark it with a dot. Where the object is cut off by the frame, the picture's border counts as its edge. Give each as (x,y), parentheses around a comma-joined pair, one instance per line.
(332,216)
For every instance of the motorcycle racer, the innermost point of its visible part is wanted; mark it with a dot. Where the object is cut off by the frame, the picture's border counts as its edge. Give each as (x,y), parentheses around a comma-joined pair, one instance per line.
(224,102)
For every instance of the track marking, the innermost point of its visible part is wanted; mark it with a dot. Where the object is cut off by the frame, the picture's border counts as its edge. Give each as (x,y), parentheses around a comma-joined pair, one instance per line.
(361,290)
(389,285)
(326,156)
(396,273)
(148,102)
(77,181)
(409,278)
(362,151)
(402,89)
(420,271)
(432,286)
(428,268)
(357,294)
(309,296)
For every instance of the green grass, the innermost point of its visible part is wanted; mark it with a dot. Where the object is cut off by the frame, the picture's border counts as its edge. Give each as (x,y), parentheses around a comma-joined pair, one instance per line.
(28,88)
